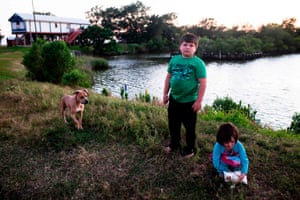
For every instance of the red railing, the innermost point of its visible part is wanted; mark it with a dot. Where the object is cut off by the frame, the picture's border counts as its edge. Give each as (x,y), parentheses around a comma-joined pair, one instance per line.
(73,35)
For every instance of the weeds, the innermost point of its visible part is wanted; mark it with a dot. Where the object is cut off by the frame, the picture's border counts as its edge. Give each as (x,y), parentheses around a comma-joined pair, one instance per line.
(118,154)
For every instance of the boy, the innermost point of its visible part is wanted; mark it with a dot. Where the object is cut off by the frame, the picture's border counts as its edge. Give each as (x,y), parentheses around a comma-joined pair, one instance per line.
(184,89)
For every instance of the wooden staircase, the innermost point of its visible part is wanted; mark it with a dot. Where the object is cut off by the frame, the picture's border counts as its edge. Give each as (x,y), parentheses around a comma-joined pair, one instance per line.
(72,36)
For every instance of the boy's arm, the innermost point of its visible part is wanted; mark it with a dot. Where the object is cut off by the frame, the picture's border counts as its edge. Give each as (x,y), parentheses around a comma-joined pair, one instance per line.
(201,91)
(166,88)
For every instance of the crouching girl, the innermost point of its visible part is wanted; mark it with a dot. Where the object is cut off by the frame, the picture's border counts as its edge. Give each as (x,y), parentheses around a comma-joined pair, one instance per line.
(229,154)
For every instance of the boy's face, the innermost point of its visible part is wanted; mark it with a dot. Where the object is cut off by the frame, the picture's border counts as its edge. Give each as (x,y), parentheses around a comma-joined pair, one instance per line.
(188,49)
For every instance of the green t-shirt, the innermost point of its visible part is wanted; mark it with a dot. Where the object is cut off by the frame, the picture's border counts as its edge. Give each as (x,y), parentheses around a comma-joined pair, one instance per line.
(185,74)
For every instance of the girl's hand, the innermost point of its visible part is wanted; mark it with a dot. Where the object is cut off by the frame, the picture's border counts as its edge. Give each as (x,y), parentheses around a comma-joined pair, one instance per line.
(241,177)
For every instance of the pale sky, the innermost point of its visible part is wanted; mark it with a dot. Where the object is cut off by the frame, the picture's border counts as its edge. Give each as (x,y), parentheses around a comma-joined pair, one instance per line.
(225,12)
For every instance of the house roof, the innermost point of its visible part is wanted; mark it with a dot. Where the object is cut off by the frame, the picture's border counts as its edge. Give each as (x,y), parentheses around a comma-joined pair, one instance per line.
(46,18)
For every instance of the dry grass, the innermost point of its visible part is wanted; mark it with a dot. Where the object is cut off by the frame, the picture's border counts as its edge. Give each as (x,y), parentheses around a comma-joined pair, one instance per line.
(119,153)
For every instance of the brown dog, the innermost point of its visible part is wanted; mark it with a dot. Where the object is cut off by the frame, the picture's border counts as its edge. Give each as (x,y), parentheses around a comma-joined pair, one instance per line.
(75,103)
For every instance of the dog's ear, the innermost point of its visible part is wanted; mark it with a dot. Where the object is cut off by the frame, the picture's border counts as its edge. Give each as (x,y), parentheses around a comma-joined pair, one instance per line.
(86,91)
(76,92)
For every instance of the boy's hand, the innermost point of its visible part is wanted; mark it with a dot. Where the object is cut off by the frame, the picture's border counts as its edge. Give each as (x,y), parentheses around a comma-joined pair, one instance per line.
(165,99)
(197,106)
(198,103)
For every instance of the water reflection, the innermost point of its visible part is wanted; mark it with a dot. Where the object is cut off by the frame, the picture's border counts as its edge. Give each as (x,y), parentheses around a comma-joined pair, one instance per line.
(138,72)
(269,85)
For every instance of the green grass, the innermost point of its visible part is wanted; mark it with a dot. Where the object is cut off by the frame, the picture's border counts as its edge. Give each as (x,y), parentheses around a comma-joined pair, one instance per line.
(118,154)
(10,62)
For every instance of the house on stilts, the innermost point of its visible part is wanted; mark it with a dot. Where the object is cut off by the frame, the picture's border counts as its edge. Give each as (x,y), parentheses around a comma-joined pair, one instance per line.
(28,27)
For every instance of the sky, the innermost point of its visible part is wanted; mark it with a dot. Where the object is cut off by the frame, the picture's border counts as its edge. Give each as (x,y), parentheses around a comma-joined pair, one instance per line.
(224,12)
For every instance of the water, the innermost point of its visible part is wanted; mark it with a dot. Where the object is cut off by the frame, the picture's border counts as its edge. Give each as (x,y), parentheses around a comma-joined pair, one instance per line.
(270,85)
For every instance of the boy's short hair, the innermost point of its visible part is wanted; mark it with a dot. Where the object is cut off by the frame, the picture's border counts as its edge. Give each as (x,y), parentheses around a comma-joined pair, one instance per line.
(190,38)
(227,131)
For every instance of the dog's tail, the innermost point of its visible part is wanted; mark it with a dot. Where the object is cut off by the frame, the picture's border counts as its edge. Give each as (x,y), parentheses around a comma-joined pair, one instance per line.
(63,109)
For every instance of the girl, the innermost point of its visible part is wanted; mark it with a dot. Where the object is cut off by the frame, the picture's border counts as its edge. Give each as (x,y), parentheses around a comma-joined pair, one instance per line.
(229,153)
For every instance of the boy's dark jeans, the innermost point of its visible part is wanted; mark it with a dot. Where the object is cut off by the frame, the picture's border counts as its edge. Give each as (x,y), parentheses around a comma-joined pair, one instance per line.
(181,113)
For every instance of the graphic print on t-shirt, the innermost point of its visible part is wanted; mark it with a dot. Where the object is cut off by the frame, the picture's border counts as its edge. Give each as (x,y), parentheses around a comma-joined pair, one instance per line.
(182,72)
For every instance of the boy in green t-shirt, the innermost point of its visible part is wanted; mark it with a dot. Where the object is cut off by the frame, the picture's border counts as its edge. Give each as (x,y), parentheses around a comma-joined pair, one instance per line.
(184,89)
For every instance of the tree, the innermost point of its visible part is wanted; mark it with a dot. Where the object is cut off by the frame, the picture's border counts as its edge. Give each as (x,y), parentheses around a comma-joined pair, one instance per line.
(161,32)
(1,37)
(134,23)
(289,25)
(127,23)
(295,124)
(276,39)
(208,27)
(95,37)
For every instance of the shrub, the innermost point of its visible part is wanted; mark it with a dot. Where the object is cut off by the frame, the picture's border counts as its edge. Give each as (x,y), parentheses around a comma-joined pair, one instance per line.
(112,48)
(77,77)
(295,124)
(33,61)
(48,61)
(156,45)
(87,50)
(227,105)
(146,97)
(106,92)
(99,64)
(135,48)
(57,60)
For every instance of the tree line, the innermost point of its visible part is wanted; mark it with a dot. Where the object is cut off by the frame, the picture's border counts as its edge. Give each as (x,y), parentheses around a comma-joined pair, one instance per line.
(130,29)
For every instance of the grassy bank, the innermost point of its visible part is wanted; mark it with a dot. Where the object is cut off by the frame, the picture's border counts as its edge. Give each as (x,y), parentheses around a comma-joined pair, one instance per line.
(118,154)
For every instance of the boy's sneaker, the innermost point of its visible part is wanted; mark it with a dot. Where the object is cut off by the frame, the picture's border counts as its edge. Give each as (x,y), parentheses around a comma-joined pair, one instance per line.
(187,153)
(168,149)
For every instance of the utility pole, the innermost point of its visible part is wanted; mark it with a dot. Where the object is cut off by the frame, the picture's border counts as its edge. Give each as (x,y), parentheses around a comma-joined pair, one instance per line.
(34,20)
